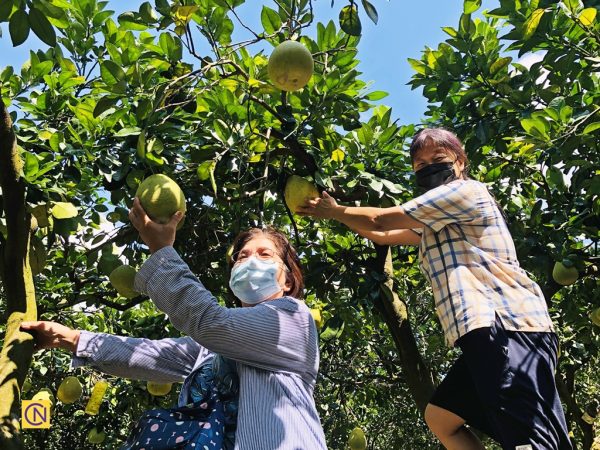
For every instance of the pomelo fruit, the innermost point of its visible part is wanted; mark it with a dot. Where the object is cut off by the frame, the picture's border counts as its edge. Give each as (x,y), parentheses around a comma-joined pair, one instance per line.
(564,275)
(297,191)
(45,394)
(161,197)
(290,66)
(595,316)
(26,386)
(357,440)
(316,313)
(98,391)
(122,279)
(69,390)
(96,437)
(158,389)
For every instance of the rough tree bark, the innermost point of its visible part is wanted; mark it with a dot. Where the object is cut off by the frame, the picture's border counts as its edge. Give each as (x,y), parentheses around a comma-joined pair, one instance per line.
(16,354)
(420,379)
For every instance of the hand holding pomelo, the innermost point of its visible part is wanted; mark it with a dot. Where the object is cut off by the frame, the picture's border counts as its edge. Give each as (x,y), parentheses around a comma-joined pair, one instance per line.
(161,197)
(298,191)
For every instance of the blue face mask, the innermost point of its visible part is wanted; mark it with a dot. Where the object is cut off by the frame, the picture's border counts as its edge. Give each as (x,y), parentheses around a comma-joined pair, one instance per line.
(254,280)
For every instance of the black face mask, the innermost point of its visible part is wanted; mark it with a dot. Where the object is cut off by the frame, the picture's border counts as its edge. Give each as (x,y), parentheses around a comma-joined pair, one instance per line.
(434,175)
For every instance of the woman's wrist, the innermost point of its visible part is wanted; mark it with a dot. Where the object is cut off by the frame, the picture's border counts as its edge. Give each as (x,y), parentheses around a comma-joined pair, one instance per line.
(71,341)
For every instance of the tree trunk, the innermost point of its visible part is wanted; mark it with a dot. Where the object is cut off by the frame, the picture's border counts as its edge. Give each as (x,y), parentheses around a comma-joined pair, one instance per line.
(16,354)
(421,381)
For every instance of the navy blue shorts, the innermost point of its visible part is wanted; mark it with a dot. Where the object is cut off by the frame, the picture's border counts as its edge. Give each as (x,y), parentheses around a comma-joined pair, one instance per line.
(503,384)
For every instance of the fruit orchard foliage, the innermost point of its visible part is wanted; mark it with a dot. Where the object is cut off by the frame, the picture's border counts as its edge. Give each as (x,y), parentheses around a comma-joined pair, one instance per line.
(117,99)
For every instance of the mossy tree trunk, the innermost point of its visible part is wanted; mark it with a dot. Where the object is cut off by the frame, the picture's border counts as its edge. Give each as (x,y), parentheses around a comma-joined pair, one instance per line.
(17,279)
(421,381)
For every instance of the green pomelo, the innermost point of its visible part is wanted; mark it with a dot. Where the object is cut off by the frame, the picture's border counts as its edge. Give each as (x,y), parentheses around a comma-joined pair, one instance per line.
(45,394)
(290,66)
(69,390)
(595,316)
(26,386)
(564,275)
(122,279)
(161,197)
(158,389)
(357,440)
(96,437)
(297,191)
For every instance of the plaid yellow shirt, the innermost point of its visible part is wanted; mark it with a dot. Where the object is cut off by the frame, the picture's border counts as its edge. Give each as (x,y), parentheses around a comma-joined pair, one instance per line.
(469,257)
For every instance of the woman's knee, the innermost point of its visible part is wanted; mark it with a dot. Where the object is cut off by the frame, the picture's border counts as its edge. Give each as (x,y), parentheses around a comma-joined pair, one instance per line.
(441,421)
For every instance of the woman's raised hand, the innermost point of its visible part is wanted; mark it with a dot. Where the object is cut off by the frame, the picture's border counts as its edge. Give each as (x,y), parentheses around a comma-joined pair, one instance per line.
(155,235)
(323,208)
(51,335)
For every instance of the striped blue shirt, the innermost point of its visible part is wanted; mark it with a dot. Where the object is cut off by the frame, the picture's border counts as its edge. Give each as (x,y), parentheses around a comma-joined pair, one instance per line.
(275,345)
(469,257)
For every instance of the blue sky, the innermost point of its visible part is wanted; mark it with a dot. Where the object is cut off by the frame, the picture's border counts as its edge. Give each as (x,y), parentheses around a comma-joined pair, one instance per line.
(403,31)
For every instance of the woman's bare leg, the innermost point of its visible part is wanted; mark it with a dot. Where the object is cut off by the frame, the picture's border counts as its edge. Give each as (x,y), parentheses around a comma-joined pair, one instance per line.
(450,429)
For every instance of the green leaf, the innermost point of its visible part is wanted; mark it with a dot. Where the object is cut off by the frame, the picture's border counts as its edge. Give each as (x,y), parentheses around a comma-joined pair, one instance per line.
(591,128)
(130,131)
(205,169)
(555,178)
(376,95)
(349,20)
(270,20)
(371,11)
(532,23)
(129,21)
(587,16)
(111,72)
(42,27)
(470,6)
(172,48)
(147,13)
(499,64)
(104,104)
(18,27)
(465,24)
(417,66)
(450,31)
(573,5)
(64,210)
(31,167)
(5,9)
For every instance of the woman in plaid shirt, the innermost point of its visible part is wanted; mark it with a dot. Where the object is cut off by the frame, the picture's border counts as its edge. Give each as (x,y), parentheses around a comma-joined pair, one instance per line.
(503,382)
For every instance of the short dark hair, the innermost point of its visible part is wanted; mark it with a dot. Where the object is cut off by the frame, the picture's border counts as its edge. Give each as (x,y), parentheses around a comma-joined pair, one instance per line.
(440,137)
(285,251)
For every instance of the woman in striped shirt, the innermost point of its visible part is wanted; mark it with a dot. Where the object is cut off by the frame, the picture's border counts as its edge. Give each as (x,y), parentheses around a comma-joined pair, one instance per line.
(272,338)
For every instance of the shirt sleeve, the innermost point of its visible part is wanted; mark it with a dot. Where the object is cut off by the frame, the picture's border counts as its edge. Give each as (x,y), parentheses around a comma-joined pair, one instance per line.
(278,335)
(167,360)
(455,202)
